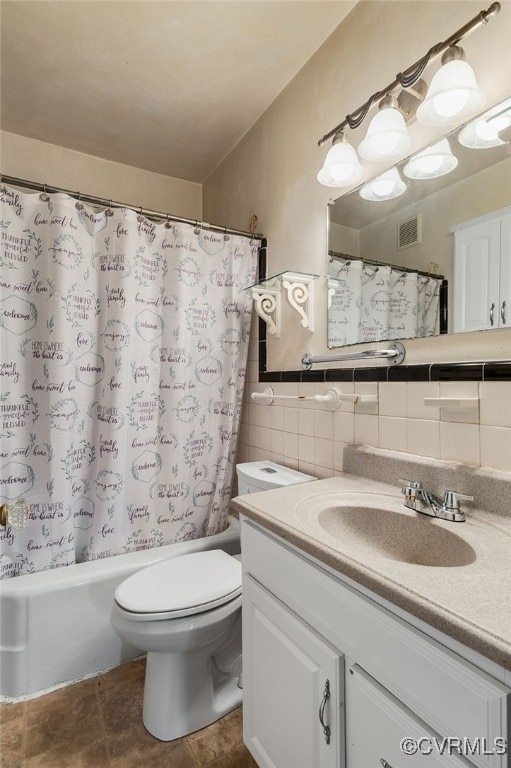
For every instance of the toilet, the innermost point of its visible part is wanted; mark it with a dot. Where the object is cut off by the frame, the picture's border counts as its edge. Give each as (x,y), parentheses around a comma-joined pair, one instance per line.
(185,612)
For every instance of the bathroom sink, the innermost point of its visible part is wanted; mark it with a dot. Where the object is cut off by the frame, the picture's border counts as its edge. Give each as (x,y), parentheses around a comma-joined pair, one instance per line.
(395,535)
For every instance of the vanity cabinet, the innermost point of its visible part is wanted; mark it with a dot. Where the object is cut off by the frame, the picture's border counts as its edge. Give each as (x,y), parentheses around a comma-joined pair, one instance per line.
(304,624)
(293,715)
(482,273)
(377,722)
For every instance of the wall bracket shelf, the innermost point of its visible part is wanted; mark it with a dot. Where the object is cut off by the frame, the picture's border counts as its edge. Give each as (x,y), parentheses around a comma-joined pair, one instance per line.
(267,296)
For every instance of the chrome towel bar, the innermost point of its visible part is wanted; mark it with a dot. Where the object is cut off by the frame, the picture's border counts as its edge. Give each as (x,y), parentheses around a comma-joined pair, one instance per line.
(395,355)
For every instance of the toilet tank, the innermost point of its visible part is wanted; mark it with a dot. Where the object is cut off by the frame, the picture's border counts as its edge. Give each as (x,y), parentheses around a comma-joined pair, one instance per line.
(262,475)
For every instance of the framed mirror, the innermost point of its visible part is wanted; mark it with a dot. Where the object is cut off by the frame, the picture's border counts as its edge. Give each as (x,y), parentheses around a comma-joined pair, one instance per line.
(426,247)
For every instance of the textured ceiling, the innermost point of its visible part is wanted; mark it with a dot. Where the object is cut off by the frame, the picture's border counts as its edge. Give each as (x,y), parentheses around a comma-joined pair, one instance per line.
(166,86)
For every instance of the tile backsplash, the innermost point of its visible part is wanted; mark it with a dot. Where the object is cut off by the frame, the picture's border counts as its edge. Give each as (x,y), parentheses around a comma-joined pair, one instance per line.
(304,436)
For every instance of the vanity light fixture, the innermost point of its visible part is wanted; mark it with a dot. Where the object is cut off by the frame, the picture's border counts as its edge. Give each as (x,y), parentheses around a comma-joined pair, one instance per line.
(436,160)
(387,136)
(385,187)
(342,166)
(483,132)
(452,96)
(453,93)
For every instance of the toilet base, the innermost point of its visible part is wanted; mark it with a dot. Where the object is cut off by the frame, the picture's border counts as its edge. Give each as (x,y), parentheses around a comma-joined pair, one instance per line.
(196,693)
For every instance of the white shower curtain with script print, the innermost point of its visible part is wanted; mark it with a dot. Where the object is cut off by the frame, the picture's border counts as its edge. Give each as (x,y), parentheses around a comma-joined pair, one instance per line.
(375,303)
(123,355)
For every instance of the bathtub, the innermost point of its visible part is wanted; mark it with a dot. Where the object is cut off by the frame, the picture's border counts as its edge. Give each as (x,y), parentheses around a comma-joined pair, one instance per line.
(55,625)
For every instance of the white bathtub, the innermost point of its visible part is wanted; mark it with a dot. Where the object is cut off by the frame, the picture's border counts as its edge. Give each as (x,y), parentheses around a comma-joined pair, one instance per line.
(55,625)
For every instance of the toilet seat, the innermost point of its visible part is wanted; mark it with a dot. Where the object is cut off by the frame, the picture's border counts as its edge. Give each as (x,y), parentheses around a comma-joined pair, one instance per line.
(181,586)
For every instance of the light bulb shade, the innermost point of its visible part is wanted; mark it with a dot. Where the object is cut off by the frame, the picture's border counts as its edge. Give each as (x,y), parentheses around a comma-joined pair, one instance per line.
(384,187)
(452,95)
(325,178)
(483,132)
(387,136)
(433,161)
(341,167)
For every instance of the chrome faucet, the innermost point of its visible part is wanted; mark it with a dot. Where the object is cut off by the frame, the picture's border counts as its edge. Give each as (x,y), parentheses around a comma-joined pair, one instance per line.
(420,500)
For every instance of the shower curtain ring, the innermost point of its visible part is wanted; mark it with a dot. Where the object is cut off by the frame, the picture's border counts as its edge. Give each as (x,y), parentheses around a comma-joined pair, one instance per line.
(168,225)
(196,231)
(140,217)
(109,211)
(44,196)
(226,236)
(79,204)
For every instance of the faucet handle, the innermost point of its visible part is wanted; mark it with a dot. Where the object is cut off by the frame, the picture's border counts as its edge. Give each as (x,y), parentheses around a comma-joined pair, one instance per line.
(452,499)
(410,483)
(410,488)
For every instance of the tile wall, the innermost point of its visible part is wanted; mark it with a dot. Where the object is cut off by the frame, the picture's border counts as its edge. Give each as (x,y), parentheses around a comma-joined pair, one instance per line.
(304,436)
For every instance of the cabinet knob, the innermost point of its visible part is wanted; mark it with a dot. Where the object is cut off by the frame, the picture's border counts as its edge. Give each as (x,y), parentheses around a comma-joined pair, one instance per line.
(326,696)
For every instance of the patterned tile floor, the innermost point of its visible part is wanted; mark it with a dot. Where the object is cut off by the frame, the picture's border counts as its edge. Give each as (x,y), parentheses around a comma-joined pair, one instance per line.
(98,724)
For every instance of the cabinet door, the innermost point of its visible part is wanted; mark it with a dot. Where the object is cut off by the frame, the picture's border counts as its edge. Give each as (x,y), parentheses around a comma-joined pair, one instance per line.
(476,277)
(505,272)
(287,668)
(376,725)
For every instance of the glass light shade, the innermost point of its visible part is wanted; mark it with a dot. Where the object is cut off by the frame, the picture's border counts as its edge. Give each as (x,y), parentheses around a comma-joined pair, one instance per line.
(483,132)
(433,161)
(387,136)
(341,167)
(325,178)
(453,94)
(384,187)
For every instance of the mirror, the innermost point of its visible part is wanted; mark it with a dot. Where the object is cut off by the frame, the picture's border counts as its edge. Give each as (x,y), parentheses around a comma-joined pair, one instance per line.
(391,242)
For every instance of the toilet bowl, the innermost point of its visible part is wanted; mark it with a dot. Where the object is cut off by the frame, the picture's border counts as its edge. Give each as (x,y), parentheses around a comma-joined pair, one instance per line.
(185,612)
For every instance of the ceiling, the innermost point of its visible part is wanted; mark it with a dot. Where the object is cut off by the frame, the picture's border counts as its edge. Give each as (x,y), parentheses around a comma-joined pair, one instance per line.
(167,86)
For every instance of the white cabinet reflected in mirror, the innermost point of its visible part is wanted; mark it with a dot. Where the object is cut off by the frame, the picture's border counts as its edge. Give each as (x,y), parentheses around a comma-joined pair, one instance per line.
(426,248)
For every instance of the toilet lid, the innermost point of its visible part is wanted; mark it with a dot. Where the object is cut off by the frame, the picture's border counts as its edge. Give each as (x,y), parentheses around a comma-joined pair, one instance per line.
(182,586)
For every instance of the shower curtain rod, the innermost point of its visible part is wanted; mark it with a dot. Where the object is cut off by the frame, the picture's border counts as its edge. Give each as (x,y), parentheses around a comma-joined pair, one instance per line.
(373,262)
(159,215)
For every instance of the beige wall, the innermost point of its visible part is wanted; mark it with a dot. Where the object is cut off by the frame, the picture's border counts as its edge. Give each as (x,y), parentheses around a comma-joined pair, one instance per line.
(34,160)
(272,171)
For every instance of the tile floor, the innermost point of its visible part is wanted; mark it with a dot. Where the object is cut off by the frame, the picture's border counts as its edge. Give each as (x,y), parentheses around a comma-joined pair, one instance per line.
(98,724)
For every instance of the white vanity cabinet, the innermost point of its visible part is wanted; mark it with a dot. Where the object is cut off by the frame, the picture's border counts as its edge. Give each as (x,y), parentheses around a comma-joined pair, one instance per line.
(304,624)
(376,725)
(482,273)
(293,714)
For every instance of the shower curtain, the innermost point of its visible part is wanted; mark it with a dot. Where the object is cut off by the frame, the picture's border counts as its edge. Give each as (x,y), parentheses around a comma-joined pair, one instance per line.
(376,303)
(123,355)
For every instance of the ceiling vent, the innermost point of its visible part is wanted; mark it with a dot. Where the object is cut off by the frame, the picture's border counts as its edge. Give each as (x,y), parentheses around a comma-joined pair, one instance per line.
(409,232)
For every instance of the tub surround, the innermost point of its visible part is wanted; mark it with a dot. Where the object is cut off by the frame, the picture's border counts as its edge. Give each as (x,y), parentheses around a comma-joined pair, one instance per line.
(468,604)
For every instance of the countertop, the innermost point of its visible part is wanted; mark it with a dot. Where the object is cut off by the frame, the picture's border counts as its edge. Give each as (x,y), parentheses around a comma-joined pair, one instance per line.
(469,603)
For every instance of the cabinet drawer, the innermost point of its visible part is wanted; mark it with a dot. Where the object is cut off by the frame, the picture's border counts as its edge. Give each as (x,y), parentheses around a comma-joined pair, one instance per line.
(447,692)
(377,725)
